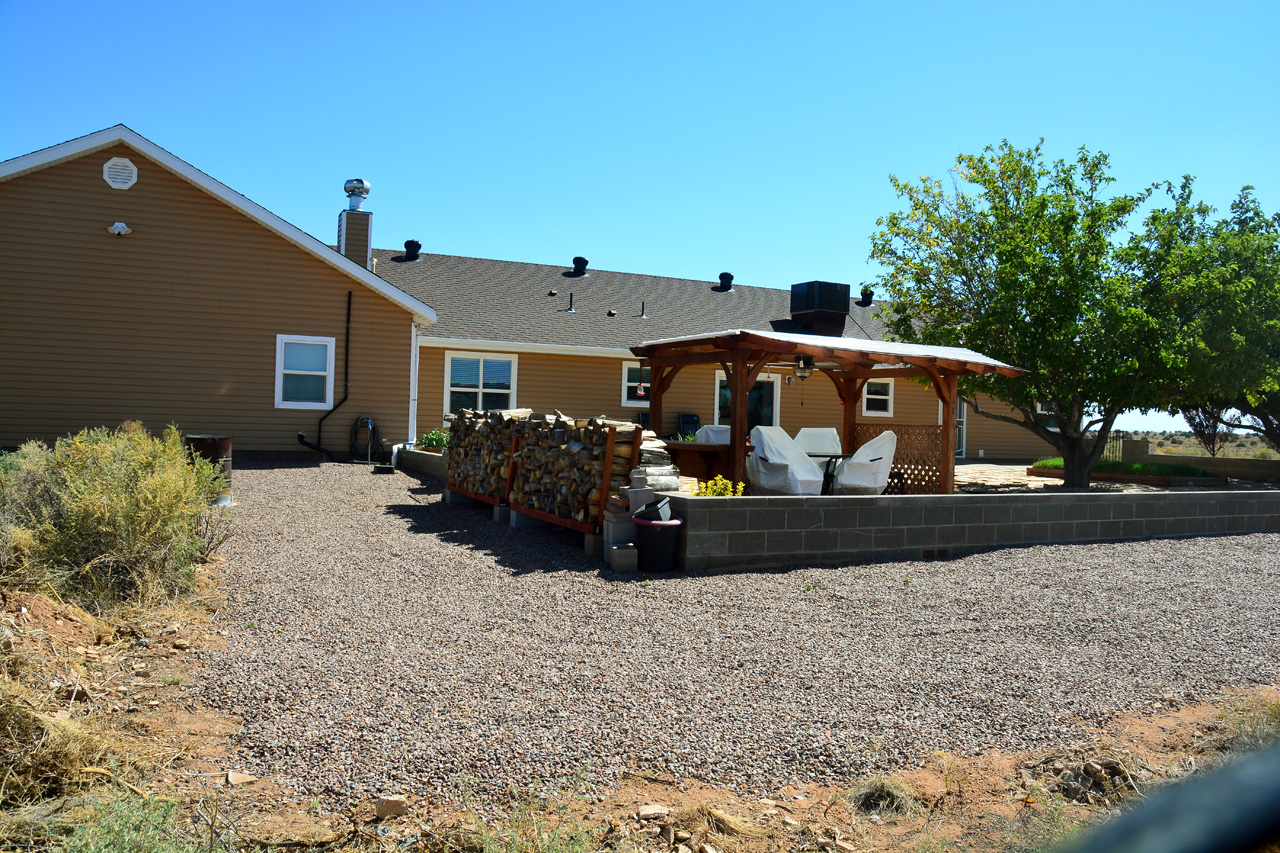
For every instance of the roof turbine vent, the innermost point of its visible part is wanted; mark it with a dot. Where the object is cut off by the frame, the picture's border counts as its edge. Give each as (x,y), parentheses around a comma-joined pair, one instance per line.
(579,268)
(412,249)
(357,190)
(726,282)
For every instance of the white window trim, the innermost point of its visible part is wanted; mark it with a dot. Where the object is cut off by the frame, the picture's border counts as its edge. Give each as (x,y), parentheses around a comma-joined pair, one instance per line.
(633,404)
(1041,410)
(769,377)
(871,414)
(449,355)
(331,344)
(962,422)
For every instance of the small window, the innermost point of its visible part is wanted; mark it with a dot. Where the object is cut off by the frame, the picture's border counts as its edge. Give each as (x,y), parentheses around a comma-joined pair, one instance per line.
(1046,418)
(304,372)
(635,385)
(877,398)
(479,382)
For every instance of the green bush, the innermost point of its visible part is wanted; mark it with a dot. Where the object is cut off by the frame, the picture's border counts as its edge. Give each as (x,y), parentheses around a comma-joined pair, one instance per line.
(435,438)
(106,515)
(1148,469)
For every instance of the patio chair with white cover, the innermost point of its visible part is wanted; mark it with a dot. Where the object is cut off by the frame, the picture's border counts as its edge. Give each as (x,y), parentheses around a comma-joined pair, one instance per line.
(712,434)
(777,465)
(867,471)
(823,441)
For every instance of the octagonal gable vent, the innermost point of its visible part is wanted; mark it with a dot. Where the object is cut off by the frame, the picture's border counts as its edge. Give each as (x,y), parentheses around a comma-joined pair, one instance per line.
(120,173)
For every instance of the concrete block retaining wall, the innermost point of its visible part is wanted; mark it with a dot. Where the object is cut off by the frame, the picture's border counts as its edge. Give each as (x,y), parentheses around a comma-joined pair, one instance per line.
(775,531)
(421,463)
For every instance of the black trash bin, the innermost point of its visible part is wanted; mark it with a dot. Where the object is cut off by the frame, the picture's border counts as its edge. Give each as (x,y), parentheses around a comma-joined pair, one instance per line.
(659,510)
(656,544)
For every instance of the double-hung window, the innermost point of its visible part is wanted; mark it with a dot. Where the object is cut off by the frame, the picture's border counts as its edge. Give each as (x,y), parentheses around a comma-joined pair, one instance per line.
(877,398)
(635,385)
(479,381)
(304,372)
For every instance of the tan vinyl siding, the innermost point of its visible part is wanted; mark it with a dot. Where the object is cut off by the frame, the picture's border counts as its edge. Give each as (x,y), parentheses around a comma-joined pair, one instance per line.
(177,321)
(998,440)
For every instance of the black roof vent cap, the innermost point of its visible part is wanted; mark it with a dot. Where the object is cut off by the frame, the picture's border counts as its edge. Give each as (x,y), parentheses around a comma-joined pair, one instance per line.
(579,268)
(412,248)
(726,281)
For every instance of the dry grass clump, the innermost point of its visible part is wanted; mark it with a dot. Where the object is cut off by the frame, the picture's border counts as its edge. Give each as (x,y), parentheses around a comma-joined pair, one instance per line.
(42,756)
(884,795)
(1250,726)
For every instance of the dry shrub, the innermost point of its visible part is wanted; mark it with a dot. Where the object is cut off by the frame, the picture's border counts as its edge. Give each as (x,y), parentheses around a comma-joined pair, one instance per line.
(107,515)
(1252,725)
(42,756)
(718,828)
(883,795)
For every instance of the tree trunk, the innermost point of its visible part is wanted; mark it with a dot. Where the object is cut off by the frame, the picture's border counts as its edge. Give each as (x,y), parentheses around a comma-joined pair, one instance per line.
(1077,465)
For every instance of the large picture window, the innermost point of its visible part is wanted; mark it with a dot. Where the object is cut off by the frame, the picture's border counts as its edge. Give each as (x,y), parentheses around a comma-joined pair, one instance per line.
(763,407)
(635,385)
(304,372)
(877,398)
(479,381)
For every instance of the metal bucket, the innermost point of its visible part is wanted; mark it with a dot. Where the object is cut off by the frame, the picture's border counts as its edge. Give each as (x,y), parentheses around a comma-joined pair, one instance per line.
(217,449)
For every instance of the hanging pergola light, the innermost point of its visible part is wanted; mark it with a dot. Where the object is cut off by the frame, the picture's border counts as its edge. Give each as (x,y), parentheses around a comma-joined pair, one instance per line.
(804,367)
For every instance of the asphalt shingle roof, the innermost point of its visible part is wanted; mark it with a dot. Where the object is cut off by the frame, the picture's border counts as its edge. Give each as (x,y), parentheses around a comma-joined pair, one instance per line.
(490,300)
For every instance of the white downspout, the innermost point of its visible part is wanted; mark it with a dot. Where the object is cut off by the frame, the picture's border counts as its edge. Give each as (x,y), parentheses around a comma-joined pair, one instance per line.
(413,383)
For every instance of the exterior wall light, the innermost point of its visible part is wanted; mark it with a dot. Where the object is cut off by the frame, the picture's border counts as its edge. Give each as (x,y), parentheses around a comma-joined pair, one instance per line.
(119,229)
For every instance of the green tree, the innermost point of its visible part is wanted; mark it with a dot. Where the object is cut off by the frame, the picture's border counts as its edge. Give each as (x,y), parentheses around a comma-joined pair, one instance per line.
(1217,285)
(1016,259)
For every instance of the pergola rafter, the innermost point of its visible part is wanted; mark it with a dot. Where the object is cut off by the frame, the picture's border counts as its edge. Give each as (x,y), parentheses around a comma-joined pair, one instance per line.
(848,362)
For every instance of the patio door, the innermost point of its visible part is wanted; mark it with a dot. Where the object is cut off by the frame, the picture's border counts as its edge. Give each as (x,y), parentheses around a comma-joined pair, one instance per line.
(762,402)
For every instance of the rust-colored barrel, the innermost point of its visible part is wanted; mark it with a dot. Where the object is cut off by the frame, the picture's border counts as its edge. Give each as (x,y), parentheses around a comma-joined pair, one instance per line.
(217,449)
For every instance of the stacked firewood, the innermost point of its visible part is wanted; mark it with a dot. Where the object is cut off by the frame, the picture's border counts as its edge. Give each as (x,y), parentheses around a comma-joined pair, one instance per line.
(480,449)
(563,463)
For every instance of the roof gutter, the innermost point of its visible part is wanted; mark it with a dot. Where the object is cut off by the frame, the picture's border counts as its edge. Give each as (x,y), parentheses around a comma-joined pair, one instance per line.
(518,346)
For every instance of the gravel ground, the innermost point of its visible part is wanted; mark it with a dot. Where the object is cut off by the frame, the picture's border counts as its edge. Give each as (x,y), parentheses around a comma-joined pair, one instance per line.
(380,641)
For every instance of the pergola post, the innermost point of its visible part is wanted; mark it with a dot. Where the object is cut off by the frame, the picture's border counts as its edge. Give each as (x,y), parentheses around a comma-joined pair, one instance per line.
(947,463)
(656,375)
(738,419)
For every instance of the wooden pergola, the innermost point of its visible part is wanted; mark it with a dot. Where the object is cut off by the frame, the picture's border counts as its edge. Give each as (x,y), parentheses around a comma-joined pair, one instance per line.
(848,362)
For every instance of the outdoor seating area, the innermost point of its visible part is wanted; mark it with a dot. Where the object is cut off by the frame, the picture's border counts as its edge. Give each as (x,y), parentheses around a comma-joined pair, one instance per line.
(921,461)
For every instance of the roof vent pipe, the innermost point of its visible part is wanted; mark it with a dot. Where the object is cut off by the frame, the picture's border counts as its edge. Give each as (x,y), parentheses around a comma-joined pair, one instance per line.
(357,190)
(726,281)
(572,310)
(412,248)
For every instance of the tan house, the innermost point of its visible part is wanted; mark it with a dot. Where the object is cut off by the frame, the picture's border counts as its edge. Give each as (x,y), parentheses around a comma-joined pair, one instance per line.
(133,286)
(515,334)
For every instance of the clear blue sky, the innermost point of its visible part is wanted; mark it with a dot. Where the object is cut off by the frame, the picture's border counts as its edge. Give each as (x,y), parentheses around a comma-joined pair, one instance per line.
(677,139)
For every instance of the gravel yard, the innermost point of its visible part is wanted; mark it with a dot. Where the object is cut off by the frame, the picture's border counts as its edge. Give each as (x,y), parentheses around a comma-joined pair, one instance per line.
(381,641)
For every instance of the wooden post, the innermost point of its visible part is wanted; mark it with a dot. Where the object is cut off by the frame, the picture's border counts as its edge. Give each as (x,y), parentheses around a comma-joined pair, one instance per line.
(738,419)
(636,440)
(655,398)
(948,461)
(606,481)
(849,429)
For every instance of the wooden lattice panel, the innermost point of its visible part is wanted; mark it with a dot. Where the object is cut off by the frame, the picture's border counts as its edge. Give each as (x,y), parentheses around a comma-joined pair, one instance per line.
(916,462)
